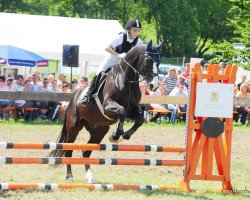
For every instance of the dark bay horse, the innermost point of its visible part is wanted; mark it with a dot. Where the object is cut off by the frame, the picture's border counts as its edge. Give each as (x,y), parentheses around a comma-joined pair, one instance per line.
(119,98)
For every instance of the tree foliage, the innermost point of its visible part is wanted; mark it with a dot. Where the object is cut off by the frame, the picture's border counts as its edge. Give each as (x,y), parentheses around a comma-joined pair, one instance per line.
(191,28)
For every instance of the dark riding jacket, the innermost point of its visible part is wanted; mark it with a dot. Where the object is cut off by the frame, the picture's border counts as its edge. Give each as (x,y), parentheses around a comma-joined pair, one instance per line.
(125,46)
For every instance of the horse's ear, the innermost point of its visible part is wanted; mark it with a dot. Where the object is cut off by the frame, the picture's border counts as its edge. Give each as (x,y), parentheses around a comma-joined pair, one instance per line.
(150,44)
(159,46)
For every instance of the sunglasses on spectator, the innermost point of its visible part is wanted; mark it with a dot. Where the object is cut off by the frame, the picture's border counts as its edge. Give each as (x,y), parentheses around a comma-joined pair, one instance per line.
(10,80)
(45,82)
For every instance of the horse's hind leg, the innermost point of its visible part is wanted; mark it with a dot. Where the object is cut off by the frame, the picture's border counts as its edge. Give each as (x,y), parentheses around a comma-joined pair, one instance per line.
(96,136)
(72,132)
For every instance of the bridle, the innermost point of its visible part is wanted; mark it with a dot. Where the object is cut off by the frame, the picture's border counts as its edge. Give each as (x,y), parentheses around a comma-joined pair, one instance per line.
(142,76)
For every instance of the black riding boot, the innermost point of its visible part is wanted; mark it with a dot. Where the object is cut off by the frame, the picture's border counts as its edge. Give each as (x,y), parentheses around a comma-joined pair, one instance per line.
(86,98)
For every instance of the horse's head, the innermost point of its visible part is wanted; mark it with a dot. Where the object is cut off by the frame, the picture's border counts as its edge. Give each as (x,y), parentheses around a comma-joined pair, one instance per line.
(145,59)
(152,60)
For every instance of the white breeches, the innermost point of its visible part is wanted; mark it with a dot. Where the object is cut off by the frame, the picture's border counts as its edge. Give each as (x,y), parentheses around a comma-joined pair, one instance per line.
(108,61)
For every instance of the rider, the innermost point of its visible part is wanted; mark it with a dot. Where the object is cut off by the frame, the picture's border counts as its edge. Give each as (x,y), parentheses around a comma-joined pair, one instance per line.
(117,50)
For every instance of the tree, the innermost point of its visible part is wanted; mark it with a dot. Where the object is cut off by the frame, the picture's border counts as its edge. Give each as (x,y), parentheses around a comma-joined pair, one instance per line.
(179,33)
(213,17)
(12,6)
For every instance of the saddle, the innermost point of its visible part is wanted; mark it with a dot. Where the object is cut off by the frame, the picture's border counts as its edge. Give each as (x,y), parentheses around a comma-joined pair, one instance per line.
(101,79)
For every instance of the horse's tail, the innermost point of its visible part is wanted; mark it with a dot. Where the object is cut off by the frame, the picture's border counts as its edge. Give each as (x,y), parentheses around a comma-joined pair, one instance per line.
(61,139)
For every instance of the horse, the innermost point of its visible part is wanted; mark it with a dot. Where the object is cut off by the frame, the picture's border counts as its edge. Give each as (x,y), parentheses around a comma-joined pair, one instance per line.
(116,99)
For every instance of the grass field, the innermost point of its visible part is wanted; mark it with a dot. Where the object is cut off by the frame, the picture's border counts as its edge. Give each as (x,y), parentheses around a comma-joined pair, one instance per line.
(163,134)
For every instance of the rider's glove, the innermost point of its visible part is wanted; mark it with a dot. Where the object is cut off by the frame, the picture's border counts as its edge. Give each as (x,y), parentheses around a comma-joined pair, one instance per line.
(120,56)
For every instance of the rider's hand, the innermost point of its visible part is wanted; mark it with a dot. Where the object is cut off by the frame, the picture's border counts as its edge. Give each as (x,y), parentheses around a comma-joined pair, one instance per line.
(120,56)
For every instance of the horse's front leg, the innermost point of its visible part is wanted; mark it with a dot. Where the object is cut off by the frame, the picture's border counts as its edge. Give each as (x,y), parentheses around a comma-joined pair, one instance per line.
(139,119)
(117,111)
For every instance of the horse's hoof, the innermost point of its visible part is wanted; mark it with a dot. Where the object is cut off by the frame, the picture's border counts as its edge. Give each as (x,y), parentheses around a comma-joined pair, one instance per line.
(126,137)
(111,139)
(69,178)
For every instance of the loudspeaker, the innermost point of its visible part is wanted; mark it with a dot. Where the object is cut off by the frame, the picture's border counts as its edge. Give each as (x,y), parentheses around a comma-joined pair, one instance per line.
(71,55)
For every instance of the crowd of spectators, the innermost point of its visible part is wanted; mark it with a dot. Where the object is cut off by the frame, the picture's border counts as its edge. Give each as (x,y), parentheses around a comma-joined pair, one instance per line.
(176,84)
(29,109)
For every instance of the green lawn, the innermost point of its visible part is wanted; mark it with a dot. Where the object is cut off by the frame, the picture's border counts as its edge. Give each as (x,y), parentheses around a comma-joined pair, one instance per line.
(150,133)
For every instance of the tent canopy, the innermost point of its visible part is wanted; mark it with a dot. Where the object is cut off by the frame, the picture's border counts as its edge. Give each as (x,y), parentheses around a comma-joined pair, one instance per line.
(46,35)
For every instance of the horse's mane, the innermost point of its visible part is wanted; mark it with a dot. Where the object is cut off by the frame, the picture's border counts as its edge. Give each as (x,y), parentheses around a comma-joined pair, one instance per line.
(140,48)
(137,52)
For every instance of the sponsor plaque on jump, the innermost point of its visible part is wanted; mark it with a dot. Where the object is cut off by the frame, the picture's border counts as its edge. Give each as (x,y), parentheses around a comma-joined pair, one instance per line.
(214,100)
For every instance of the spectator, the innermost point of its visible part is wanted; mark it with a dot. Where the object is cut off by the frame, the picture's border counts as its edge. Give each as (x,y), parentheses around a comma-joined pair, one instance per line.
(84,82)
(186,73)
(38,74)
(66,87)
(29,77)
(28,115)
(54,87)
(35,84)
(53,106)
(160,91)
(180,92)
(243,110)
(18,84)
(3,87)
(144,107)
(45,86)
(222,67)
(243,80)
(5,102)
(64,104)
(61,81)
(51,78)
(75,85)
(174,108)
(170,81)
(9,82)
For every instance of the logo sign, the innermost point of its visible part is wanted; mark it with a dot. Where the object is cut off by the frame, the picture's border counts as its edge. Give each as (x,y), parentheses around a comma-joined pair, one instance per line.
(3,61)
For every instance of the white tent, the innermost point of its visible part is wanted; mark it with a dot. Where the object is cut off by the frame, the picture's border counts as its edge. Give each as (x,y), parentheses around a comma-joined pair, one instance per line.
(46,35)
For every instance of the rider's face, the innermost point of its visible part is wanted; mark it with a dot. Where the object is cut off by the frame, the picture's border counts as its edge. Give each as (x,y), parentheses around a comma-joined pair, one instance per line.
(134,32)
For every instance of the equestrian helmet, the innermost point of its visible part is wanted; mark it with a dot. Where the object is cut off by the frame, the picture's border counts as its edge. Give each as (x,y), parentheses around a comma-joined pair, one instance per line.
(133,23)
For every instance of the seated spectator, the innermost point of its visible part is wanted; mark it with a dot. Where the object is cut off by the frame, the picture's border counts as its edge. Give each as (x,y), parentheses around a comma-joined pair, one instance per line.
(84,81)
(4,102)
(174,108)
(3,87)
(45,86)
(170,81)
(75,85)
(51,78)
(53,106)
(66,87)
(9,82)
(222,67)
(186,74)
(243,110)
(64,104)
(243,80)
(28,115)
(144,107)
(160,91)
(35,84)
(180,92)
(61,81)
